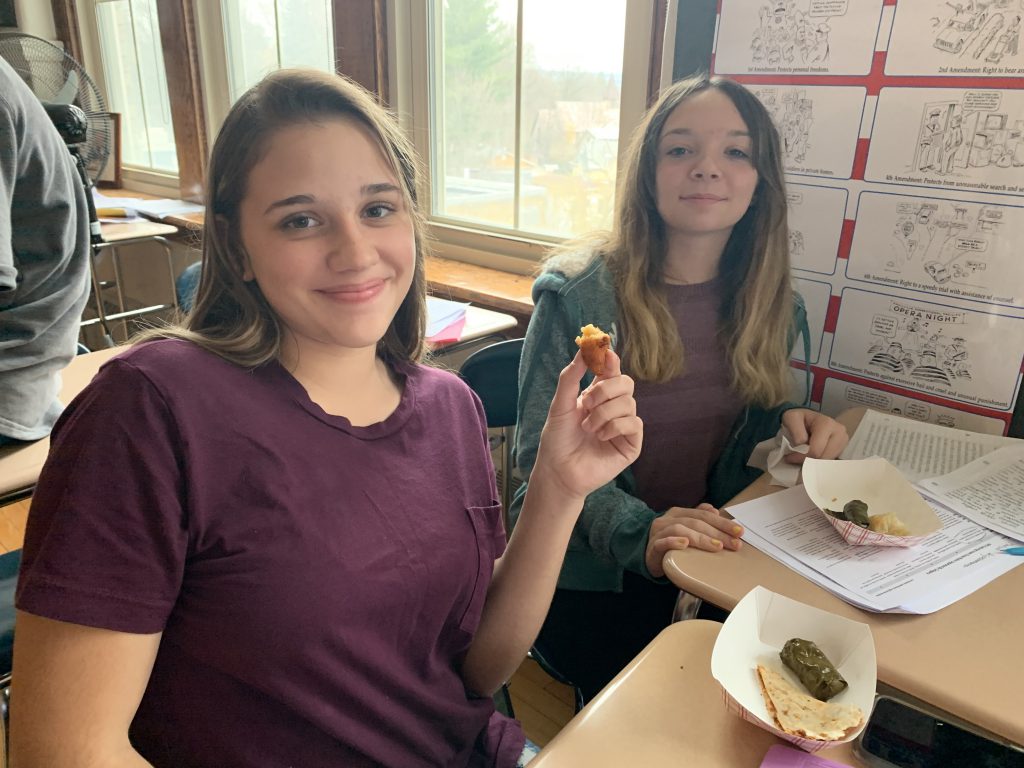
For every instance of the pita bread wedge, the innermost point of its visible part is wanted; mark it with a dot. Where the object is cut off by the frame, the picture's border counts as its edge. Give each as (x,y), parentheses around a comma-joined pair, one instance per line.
(798,714)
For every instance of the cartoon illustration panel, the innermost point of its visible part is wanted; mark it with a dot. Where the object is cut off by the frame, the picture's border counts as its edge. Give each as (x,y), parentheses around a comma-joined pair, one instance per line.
(816,296)
(819,37)
(964,39)
(815,224)
(945,247)
(839,395)
(949,137)
(818,125)
(964,355)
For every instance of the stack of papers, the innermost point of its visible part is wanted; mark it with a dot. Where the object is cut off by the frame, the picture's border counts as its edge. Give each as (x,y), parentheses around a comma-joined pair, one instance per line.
(132,207)
(445,320)
(979,499)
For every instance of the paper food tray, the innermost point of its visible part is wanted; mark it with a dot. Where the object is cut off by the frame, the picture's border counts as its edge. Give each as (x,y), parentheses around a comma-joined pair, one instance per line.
(876,482)
(754,634)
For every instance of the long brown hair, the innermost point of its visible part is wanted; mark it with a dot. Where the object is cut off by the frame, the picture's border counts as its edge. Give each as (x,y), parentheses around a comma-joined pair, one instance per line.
(231,317)
(757,311)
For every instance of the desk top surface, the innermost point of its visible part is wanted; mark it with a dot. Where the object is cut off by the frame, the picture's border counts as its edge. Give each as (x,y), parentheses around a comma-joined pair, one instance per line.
(665,708)
(135,230)
(20,465)
(961,659)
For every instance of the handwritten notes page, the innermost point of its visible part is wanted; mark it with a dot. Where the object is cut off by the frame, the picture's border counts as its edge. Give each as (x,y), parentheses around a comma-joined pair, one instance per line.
(948,565)
(917,449)
(989,491)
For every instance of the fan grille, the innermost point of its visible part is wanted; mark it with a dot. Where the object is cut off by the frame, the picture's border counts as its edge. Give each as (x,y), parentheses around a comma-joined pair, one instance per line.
(56,78)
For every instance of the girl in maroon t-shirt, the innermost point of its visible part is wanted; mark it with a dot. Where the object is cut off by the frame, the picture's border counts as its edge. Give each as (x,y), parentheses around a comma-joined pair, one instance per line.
(269,536)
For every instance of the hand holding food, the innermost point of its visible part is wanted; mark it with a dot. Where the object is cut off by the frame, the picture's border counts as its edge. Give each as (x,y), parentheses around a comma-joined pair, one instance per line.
(594,345)
(590,436)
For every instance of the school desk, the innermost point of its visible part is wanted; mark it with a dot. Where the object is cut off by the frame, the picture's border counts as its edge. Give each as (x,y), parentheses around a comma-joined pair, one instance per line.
(114,237)
(666,709)
(21,464)
(964,660)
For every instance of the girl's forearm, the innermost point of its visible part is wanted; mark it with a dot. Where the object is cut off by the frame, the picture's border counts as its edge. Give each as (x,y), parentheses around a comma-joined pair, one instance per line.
(524,582)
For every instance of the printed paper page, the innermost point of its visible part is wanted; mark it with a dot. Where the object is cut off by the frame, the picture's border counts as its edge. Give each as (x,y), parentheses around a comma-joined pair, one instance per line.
(886,576)
(989,491)
(917,449)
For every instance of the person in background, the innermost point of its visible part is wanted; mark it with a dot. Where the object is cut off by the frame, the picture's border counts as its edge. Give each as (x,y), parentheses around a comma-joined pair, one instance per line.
(44,262)
(270,537)
(693,283)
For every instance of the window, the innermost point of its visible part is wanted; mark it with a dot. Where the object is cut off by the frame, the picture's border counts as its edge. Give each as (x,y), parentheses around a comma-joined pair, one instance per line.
(135,82)
(521,109)
(261,36)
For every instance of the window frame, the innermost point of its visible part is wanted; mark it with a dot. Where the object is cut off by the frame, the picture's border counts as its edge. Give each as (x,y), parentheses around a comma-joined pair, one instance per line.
(377,45)
(75,22)
(643,59)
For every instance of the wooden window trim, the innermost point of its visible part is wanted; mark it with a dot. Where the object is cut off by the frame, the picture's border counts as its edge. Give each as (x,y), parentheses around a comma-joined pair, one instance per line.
(184,89)
(65,21)
(657,51)
(361,44)
(181,63)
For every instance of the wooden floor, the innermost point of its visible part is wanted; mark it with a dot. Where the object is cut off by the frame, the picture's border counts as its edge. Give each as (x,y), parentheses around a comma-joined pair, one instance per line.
(541,705)
(12,525)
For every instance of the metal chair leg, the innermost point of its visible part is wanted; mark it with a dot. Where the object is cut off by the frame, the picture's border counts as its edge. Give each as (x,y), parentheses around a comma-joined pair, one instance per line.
(686,608)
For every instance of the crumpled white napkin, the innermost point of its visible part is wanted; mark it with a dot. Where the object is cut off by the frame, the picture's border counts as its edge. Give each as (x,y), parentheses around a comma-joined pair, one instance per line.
(769,456)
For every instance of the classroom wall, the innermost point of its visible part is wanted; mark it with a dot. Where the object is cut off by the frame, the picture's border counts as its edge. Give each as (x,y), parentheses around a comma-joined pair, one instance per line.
(35,17)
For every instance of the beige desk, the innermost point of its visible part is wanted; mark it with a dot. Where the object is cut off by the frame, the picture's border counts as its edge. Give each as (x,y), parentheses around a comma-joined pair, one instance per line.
(964,659)
(665,709)
(20,465)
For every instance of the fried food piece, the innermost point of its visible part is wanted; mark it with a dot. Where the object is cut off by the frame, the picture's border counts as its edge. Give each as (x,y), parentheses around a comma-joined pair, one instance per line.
(808,662)
(801,715)
(889,524)
(594,344)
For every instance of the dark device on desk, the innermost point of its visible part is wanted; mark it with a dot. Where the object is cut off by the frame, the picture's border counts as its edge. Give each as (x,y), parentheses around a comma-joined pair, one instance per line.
(899,735)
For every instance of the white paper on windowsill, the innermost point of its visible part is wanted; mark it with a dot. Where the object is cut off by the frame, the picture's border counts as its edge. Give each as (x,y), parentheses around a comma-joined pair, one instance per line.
(945,567)
(989,490)
(917,449)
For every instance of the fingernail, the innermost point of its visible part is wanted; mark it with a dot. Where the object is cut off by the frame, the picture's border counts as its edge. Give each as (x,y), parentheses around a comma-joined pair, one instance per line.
(716,542)
(736,530)
(735,542)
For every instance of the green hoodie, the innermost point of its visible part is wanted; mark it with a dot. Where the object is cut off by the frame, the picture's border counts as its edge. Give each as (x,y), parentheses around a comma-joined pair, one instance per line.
(611,533)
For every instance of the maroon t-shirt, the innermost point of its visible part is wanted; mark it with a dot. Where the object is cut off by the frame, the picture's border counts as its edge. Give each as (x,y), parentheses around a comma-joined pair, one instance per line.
(687,420)
(317,584)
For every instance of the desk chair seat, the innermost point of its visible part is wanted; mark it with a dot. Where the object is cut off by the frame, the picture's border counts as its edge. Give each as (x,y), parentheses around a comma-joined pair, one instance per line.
(493,373)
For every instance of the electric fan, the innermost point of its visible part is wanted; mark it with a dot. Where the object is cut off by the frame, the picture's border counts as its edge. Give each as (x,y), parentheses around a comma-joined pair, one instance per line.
(57,79)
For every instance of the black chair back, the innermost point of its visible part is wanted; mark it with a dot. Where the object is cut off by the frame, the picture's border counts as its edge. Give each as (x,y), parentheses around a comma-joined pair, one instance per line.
(493,373)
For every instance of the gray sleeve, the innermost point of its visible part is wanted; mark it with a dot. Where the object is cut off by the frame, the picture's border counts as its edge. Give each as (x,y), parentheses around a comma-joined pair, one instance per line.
(614,525)
(44,261)
(8,174)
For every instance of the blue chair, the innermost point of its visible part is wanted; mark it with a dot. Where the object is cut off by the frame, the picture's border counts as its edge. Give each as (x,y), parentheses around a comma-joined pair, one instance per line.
(493,373)
(187,285)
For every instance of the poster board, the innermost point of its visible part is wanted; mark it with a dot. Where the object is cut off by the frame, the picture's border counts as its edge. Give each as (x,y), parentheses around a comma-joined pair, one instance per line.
(902,128)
